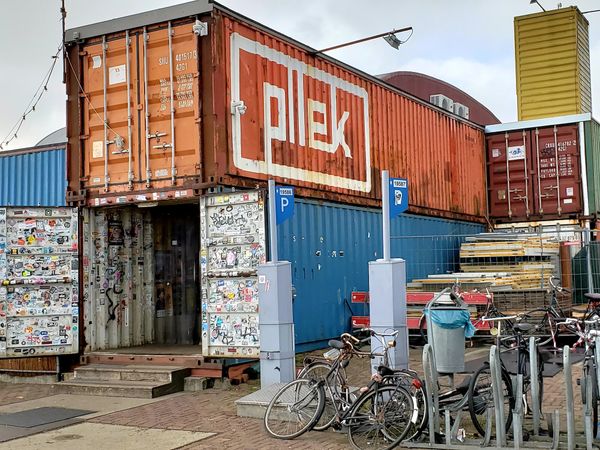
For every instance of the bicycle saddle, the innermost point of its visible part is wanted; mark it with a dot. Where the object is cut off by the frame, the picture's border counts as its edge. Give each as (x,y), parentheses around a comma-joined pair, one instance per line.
(336,344)
(523,327)
(593,297)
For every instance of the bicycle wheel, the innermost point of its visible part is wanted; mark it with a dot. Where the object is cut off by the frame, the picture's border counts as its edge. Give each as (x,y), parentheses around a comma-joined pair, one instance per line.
(380,419)
(481,397)
(294,409)
(318,372)
(413,384)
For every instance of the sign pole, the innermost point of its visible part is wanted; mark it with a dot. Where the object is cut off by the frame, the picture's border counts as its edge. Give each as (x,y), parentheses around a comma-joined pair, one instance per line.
(272,222)
(385,201)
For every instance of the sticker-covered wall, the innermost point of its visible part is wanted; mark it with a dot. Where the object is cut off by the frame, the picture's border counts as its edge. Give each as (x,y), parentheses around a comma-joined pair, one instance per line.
(39,312)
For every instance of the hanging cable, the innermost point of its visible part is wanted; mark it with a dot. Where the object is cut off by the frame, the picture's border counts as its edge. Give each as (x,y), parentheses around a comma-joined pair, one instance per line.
(87,99)
(35,99)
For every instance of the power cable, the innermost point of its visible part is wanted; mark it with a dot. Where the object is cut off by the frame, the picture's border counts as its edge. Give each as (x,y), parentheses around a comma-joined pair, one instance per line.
(87,99)
(35,99)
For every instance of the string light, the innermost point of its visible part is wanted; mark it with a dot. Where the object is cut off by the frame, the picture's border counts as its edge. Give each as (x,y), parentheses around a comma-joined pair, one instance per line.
(35,99)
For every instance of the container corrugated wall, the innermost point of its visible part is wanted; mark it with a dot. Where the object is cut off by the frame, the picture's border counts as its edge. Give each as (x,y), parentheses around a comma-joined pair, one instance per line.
(330,246)
(552,64)
(312,123)
(33,178)
(592,153)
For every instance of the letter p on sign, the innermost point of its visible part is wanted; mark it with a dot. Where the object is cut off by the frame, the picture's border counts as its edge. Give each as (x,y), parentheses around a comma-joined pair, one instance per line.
(284,199)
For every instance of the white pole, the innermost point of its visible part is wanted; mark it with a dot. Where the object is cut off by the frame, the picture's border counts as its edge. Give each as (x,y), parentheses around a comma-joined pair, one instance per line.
(385,202)
(272,222)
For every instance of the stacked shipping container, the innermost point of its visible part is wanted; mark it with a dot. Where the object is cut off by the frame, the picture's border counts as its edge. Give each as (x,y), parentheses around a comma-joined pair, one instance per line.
(194,99)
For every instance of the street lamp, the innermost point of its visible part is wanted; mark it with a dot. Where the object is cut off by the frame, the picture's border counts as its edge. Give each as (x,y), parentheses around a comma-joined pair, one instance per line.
(531,2)
(389,37)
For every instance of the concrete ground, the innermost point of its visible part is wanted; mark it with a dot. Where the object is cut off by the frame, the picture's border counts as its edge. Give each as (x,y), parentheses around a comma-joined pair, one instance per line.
(200,420)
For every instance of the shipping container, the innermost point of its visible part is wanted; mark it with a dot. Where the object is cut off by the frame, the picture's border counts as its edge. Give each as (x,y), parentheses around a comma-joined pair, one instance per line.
(188,97)
(543,169)
(33,177)
(552,58)
(330,246)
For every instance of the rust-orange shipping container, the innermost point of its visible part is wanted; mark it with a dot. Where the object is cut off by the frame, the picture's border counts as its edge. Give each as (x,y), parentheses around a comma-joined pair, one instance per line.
(195,95)
(536,170)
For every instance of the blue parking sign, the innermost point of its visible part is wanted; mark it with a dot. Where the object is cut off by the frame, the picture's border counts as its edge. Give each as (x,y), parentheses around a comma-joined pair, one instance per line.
(398,196)
(284,203)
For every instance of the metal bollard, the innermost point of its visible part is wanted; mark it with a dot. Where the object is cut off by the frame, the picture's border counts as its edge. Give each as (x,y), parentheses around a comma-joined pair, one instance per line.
(496,374)
(535,386)
(569,393)
(555,429)
(588,417)
(431,388)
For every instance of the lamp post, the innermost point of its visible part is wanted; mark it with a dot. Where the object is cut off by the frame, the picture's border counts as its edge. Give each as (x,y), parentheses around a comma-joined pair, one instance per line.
(389,37)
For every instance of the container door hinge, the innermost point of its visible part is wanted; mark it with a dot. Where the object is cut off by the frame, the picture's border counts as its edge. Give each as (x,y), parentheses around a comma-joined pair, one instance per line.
(200,28)
(238,107)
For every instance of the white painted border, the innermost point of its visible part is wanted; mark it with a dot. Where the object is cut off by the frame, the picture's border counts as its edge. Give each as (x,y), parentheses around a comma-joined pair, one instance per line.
(239,42)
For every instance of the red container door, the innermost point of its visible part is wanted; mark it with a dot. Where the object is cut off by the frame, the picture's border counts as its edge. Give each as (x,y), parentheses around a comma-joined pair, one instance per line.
(557,174)
(509,169)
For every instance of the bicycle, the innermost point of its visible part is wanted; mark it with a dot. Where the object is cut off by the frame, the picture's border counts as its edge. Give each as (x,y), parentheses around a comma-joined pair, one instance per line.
(379,418)
(316,368)
(480,389)
(587,336)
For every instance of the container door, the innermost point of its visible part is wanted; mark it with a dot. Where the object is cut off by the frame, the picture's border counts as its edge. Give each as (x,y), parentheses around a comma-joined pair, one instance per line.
(232,247)
(39,295)
(112,143)
(141,115)
(557,179)
(170,92)
(509,168)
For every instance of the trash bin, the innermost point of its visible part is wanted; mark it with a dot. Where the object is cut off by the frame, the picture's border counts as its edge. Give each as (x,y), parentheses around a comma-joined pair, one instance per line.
(448,323)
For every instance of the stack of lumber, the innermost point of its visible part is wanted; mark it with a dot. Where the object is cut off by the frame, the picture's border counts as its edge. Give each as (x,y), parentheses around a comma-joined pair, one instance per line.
(499,262)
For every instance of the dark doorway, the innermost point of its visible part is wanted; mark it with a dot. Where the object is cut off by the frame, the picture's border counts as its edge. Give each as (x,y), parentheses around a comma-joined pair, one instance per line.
(177,274)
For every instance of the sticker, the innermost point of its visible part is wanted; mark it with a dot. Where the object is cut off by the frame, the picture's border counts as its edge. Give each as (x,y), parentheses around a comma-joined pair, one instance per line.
(96,62)
(495,152)
(97,149)
(262,279)
(568,201)
(117,74)
(516,153)
(569,192)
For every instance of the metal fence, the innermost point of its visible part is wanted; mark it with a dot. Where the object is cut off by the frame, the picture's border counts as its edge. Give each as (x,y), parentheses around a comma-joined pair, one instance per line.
(514,264)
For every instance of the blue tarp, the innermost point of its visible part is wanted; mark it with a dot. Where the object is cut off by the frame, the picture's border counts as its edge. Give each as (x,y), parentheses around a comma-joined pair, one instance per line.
(451,319)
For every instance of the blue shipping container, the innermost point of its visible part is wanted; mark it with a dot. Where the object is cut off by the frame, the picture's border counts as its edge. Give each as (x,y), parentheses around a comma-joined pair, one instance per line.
(330,246)
(33,178)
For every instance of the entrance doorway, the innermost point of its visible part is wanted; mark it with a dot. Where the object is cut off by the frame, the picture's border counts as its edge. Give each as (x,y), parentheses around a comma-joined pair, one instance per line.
(176,274)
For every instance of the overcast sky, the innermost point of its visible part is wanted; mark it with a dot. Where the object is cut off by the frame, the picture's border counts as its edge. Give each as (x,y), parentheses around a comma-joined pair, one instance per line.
(468,43)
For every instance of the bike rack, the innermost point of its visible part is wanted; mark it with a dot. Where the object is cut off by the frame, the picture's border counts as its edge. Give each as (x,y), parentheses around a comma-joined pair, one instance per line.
(535,386)
(569,394)
(431,392)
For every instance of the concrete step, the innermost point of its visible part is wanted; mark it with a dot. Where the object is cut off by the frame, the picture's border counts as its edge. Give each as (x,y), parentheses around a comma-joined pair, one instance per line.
(106,372)
(255,404)
(127,380)
(116,388)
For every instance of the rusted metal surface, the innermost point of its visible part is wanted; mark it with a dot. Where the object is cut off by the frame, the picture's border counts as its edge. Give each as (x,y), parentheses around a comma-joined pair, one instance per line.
(46,364)
(250,104)
(308,122)
(538,177)
(144,85)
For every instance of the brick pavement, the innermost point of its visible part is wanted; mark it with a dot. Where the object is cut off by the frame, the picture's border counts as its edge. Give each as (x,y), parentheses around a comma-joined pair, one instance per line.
(214,411)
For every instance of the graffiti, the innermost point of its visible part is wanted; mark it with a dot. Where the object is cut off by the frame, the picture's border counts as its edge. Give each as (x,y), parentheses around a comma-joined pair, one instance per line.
(39,266)
(232,247)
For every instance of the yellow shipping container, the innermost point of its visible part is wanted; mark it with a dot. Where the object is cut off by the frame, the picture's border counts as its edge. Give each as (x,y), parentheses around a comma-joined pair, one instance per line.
(553,64)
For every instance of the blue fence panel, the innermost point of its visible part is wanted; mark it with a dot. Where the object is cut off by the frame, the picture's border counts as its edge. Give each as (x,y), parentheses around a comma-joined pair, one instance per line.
(34,178)
(330,247)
